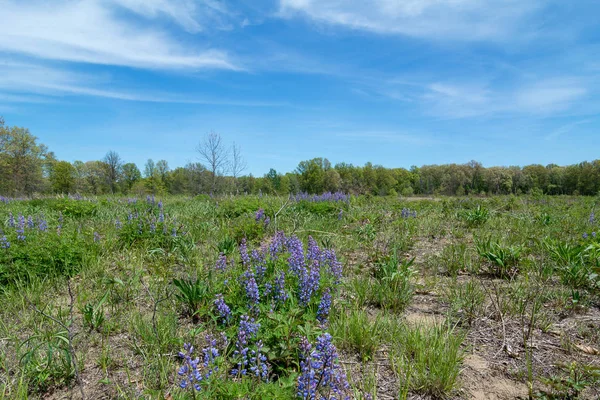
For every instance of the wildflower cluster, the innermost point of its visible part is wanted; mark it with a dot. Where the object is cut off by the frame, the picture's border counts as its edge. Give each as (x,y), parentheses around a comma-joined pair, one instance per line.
(147,221)
(194,371)
(250,361)
(261,216)
(592,235)
(21,225)
(320,373)
(327,196)
(408,213)
(280,282)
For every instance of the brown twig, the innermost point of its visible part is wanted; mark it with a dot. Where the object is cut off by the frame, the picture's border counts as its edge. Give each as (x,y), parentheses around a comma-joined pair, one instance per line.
(70,334)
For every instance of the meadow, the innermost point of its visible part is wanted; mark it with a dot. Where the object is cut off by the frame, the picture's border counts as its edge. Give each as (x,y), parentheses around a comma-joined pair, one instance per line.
(308,297)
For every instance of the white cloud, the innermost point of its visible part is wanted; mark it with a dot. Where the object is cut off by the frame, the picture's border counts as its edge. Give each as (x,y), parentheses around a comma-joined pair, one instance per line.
(549,96)
(93,32)
(27,83)
(192,15)
(439,19)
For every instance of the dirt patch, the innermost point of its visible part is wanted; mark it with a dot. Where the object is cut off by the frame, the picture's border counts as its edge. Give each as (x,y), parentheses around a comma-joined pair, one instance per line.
(480,382)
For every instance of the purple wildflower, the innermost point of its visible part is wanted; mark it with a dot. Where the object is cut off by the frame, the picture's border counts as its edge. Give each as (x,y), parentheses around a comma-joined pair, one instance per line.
(329,259)
(4,243)
(296,259)
(251,288)
(320,371)
(308,284)
(221,264)
(21,228)
(191,372)
(259,262)
(324,306)
(313,251)
(11,220)
(248,358)
(280,294)
(277,245)
(42,224)
(259,214)
(96,237)
(30,223)
(244,253)
(222,308)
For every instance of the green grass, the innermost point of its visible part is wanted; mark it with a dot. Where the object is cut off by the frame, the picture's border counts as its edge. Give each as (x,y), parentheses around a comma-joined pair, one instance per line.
(141,292)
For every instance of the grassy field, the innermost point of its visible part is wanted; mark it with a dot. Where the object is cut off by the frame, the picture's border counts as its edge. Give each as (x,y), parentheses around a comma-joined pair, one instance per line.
(315,298)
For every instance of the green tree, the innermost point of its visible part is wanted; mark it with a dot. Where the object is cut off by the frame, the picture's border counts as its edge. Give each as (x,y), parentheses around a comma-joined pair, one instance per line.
(311,174)
(21,161)
(63,177)
(130,175)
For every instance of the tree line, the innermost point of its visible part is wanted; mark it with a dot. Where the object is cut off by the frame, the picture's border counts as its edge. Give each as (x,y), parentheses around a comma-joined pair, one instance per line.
(27,167)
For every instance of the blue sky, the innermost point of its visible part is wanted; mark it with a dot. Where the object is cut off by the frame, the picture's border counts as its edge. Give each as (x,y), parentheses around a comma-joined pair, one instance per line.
(397,83)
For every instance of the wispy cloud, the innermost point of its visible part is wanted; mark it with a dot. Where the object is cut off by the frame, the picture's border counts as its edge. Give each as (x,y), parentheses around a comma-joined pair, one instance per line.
(28,83)
(550,95)
(564,129)
(95,32)
(439,19)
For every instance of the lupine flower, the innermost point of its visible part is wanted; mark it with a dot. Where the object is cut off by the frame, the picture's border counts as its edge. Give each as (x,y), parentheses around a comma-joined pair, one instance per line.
(313,252)
(341,214)
(251,288)
(152,227)
(30,223)
(244,253)
(308,284)
(258,363)
(189,373)
(161,216)
(407,213)
(259,214)
(11,220)
(96,237)
(329,259)
(592,217)
(259,262)
(277,244)
(118,223)
(320,371)
(585,235)
(221,264)
(296,259)
(160,205)
(247,330)
(251,361)
(21,228)
(4,243)
(280,294)
(267,221)
(222,308)
(174,232)
(594,234)
(324,306)
(42,224)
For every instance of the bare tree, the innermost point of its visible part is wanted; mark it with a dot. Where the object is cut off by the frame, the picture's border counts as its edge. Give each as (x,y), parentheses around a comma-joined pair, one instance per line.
(238,164)
(113,169)
(213,152)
